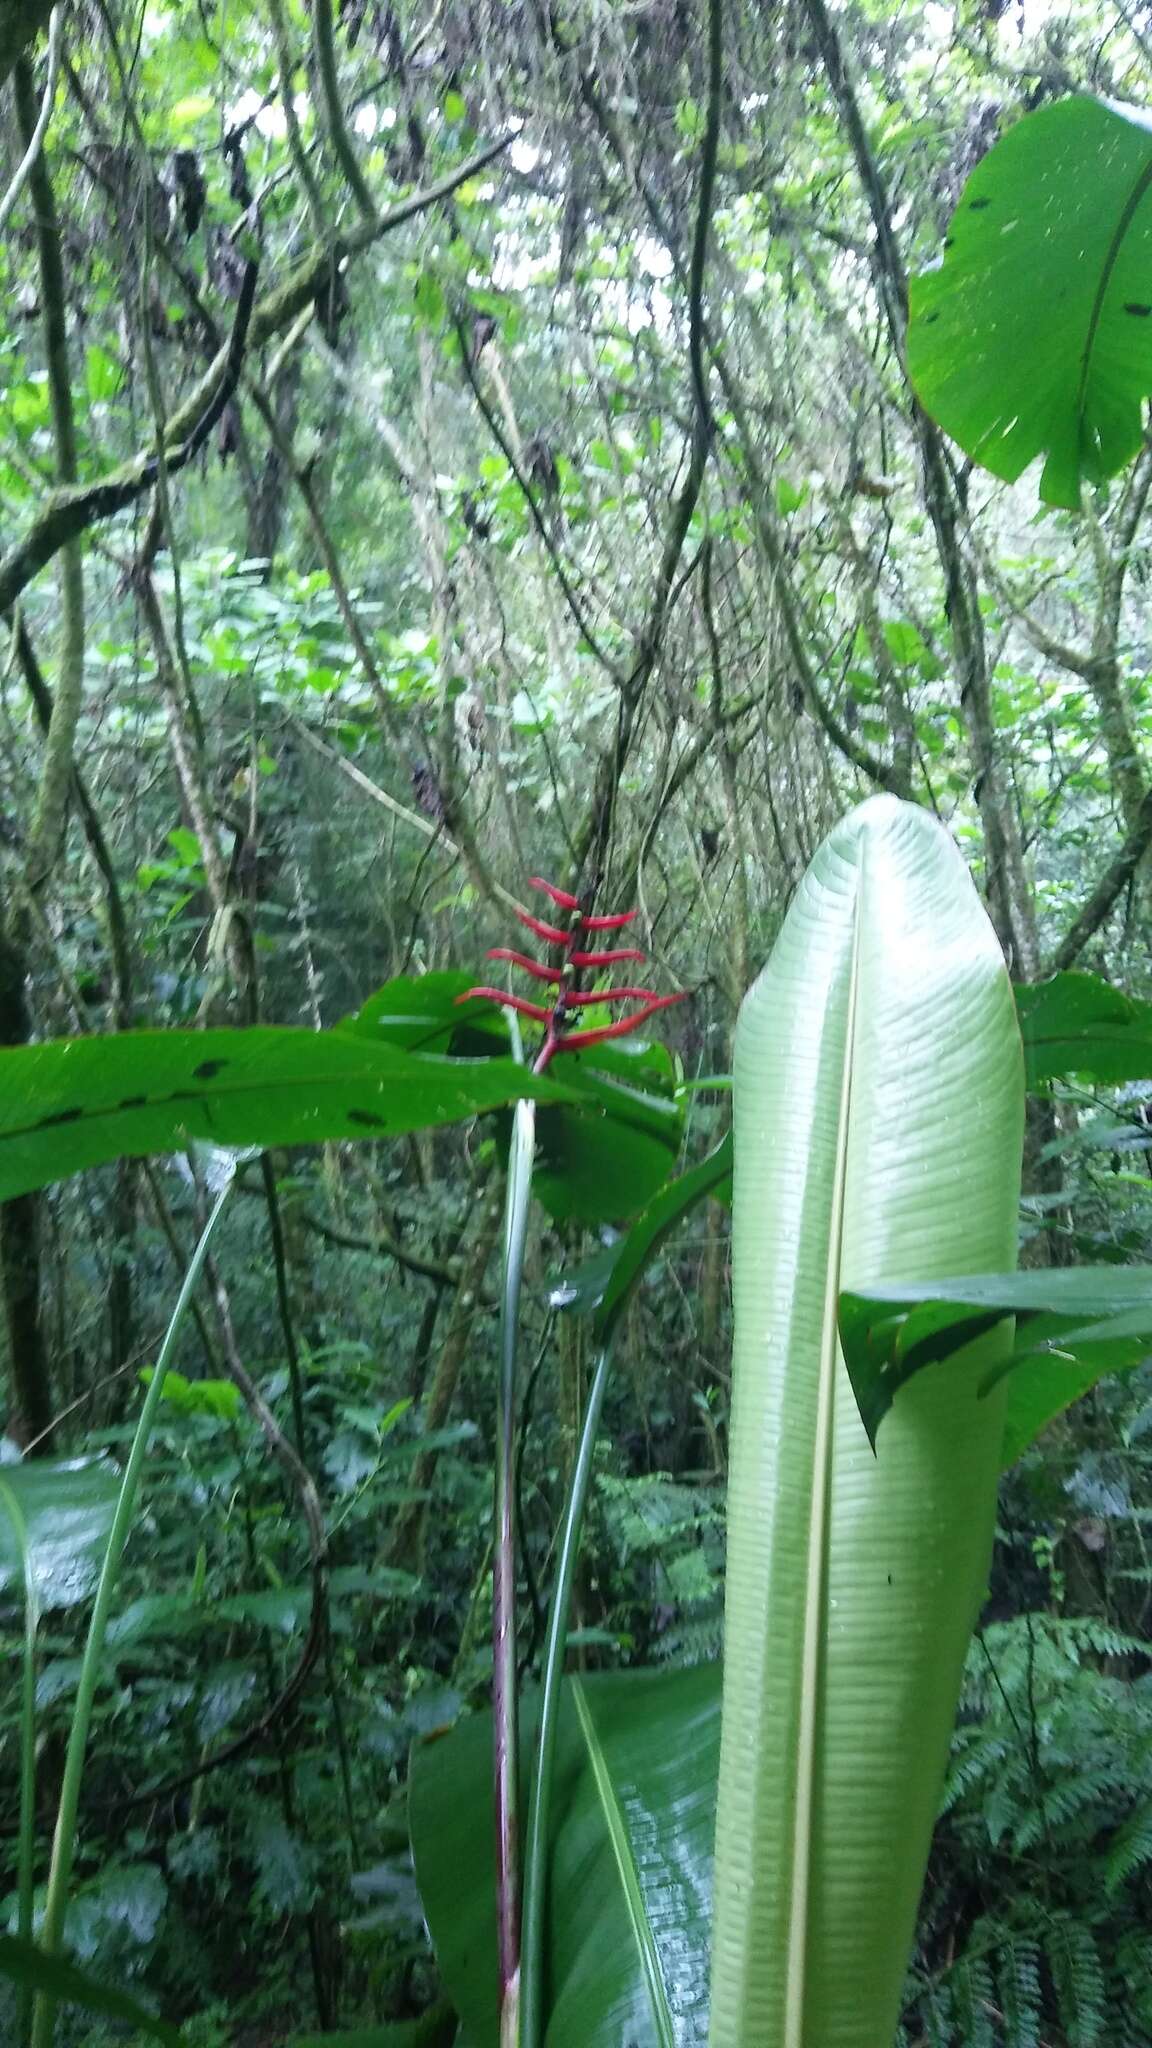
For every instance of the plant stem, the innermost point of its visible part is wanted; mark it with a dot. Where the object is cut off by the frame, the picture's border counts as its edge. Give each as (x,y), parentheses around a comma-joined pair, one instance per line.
(536,1846)
(25,1857)
(505,1704)
(64,1838)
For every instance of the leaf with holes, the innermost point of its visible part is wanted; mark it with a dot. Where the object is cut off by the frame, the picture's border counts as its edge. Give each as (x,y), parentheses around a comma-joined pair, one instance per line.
(1034,335)
(78,1102)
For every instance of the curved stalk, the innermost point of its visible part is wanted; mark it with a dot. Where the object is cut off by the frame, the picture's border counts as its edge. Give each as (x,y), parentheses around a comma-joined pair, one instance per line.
(26,1850)
(505,1703)
(64,1837)
(532,2018)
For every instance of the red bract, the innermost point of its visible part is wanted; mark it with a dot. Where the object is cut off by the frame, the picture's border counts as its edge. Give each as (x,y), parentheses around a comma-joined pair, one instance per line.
(559,896)
(531,967)
(606,959)
(609,924)
(550,932)
(569,998)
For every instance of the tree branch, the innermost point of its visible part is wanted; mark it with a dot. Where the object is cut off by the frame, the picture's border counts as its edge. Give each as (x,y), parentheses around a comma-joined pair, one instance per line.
(1109,888)
(324,51)
(67,514)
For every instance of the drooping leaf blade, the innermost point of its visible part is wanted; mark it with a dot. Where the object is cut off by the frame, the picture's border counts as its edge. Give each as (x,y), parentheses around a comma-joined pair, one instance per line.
(630,1866)
(25,1964)
(1034,335)
(54,1521)
(1072,1326)
(79,1102)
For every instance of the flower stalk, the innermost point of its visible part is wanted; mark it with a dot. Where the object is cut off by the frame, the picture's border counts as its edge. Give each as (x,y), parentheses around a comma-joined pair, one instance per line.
(572,958)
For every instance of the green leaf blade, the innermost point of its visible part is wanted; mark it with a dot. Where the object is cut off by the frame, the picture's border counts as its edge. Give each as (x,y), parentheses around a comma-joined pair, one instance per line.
(630,1865)
(59,1978)
(877,1118)
(69,1104)
(1034,336)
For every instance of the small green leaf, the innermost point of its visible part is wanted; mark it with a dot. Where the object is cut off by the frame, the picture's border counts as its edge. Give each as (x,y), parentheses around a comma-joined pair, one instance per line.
(54,1522)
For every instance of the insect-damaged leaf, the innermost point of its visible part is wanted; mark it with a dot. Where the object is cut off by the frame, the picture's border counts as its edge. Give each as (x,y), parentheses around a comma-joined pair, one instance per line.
(78,1102)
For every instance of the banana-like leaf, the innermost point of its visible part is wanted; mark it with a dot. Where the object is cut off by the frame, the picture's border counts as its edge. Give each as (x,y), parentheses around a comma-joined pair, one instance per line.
(78,1102)
(630,1868)
(1079,1024)
(877,1121)
(54,1521)
(1072,1326)
(1034,336)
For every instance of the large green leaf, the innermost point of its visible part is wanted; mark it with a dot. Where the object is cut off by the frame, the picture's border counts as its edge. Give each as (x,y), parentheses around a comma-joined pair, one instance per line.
(630,1868)
(1079,1024)
(877,1123)
(1034,336)
(601,1160)
(1072,1326)
(25,1964)
(54,1523)
(604,1285)
(78,1102)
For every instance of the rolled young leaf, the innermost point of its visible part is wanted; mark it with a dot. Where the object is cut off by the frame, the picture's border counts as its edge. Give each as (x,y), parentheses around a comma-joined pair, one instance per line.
(877,1117)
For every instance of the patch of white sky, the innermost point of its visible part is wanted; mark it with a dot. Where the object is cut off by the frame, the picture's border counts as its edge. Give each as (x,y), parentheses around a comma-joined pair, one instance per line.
(518,266)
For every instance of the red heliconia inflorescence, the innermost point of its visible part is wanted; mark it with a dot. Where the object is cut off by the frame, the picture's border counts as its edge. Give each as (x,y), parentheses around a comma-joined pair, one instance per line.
(568,998)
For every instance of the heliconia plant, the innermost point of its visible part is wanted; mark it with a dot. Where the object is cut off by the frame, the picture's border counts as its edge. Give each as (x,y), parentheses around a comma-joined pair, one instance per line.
(877,1124)
(878,1106)
(577,951)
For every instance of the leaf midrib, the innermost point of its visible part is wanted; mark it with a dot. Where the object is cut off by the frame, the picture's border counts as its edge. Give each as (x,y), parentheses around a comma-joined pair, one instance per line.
(621,1845)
